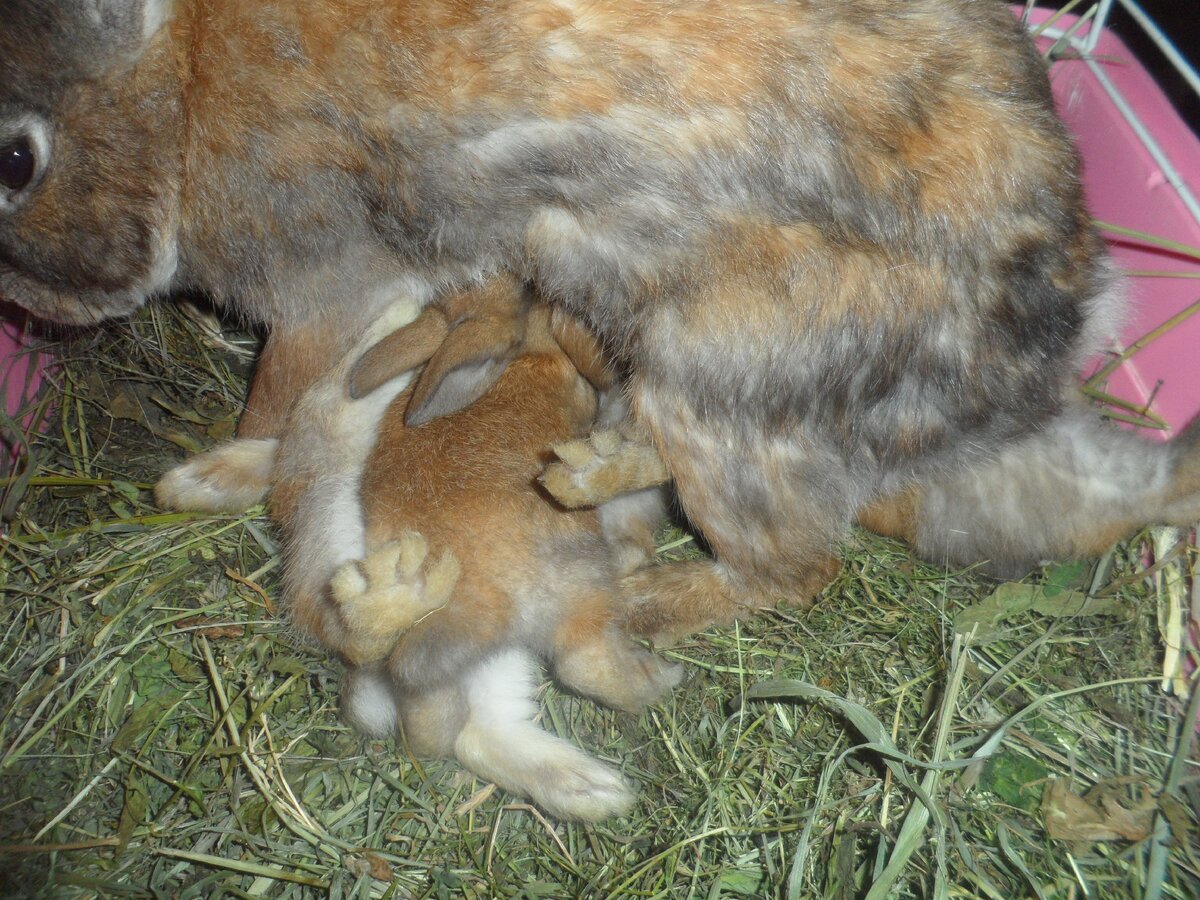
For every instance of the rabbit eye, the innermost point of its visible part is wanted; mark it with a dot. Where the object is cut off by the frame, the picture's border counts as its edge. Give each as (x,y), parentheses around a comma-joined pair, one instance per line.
(17,164)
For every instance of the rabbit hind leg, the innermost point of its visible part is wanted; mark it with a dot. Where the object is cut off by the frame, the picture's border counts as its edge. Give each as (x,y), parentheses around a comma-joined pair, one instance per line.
(593,656)
(499,741)
(772,508)
(1072,489)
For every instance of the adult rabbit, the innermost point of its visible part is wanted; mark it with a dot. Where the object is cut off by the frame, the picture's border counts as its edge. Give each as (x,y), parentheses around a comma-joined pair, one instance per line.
(834,246)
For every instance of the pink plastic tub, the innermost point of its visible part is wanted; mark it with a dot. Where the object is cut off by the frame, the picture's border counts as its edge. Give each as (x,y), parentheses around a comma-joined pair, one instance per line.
(20,381)
(1128,187)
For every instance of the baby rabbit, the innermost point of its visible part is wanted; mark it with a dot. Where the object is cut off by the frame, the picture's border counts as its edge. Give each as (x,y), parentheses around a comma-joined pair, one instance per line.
(365,501)
(837,248)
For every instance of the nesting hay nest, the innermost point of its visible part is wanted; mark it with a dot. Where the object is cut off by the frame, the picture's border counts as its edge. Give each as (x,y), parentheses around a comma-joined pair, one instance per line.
(163,734)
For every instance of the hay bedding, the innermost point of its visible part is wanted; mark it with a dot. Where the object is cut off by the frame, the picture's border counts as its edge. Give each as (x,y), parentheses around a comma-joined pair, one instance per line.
(163,734)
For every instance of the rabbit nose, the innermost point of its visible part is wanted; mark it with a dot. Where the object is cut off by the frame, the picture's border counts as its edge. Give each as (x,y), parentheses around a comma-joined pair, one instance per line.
(17,164)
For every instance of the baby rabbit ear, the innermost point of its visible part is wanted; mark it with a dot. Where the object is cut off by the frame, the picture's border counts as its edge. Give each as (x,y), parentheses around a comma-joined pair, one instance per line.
(401,351)
(474,355)
(583,349)
(487,327)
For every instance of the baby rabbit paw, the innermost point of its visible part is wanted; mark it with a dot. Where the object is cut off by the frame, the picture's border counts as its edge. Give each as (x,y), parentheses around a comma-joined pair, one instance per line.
(618,673)
(601,466)
(386,593)
(229,478)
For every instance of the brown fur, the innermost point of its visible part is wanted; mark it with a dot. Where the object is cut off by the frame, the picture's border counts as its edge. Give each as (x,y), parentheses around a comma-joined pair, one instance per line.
(467,483)
(893,516)
(1070,491)
(834,250)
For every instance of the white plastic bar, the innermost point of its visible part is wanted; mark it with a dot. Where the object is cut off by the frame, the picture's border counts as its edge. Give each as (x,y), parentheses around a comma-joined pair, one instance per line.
(1160,158)
(1098,24)
(1170,173)
(1185,69)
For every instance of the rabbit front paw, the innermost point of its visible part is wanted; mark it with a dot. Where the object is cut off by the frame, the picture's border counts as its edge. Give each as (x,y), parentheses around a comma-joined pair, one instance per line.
(386,593)
(601,466)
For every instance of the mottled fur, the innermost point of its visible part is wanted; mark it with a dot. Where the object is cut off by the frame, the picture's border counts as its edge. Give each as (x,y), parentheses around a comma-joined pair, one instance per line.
(1069,490)
(835,246)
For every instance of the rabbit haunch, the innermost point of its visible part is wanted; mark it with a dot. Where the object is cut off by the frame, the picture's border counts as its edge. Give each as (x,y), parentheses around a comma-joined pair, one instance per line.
(836,246)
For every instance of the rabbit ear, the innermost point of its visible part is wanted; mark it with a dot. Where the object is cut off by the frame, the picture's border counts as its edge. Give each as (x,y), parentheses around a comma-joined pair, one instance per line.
(141,17)
(473,357)
(59,41)
(124,24)
(401,351)
(77,38)
(154,14)
(583,349)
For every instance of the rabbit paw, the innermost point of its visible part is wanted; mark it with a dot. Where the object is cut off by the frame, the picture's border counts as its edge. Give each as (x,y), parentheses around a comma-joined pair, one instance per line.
(601,466)
(229,478)
(384,594)
(581,788)
(652,677)
(648,678)
(618,673)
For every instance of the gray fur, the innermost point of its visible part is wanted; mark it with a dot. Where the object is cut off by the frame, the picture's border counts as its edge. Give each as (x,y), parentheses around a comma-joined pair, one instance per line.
(1036,498)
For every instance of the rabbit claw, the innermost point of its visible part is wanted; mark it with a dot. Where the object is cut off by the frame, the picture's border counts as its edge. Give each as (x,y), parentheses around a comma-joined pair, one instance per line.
(387,592)
(601,466)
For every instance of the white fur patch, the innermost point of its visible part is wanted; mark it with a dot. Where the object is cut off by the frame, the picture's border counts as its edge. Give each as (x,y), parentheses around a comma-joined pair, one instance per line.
(1106,314)
(500,691)
(413,294)
(368,703)
(166,259)
(228,478)
(500,742)
(329,440)
(154,15)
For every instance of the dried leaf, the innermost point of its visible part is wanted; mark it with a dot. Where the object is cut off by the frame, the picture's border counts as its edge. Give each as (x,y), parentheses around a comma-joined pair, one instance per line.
(181,439)
(124,405)
(1178,820)
(133,811)
(1073,603)
(369,864)
(211,628)
(1104,813)
(143,718)
(1010,600)
(186,413)
(184,667)
(987,617)
(222,430)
